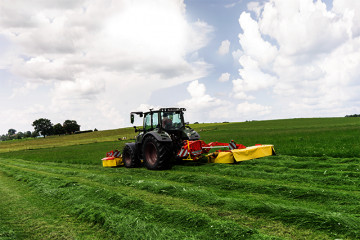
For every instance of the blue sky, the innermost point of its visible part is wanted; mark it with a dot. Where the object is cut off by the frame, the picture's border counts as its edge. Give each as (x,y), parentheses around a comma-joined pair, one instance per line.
(224,60)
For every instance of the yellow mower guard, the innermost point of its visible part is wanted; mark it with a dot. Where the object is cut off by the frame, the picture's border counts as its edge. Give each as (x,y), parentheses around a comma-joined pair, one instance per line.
(238,155)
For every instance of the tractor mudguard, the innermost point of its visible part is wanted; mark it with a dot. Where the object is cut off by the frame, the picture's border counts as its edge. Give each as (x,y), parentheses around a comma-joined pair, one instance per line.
(132,146)
(161,137)
(190,134)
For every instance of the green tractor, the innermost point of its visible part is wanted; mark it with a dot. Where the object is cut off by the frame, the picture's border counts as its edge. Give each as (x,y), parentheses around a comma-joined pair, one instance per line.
(160,139)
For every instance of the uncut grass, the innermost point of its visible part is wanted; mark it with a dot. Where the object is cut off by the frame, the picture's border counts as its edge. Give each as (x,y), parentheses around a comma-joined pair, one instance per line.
(66,140)
(260,200)
(336,137)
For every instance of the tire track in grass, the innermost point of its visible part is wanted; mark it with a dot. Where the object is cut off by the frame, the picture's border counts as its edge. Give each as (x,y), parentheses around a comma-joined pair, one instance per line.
(169,190)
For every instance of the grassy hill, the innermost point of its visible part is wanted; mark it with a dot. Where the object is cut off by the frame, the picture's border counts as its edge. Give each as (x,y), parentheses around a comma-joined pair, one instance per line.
(56,188)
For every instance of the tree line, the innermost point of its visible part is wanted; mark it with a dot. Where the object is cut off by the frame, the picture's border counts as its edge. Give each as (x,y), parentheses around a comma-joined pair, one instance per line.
(353,115)
(43,127)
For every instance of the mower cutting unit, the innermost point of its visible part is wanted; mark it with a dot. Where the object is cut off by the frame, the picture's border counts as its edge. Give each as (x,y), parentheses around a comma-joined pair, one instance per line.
(165,137)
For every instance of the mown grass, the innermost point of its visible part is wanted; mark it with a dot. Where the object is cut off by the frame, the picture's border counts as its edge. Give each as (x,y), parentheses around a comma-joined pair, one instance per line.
(38,218)
(310,190)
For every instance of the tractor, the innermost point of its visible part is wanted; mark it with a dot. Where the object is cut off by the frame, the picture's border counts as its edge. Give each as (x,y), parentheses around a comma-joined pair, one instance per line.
(159,140)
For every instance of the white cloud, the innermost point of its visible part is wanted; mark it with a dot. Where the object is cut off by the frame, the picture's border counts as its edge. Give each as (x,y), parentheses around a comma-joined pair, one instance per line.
(236,55)
(97,57)
(351,9)
(253,44)
(224,47)
(201,105)
(251,110)
(307,55)
(252,79)
(224,77)
(256,7)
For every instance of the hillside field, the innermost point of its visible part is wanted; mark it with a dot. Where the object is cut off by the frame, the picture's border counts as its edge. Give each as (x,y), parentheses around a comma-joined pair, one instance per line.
(56,188)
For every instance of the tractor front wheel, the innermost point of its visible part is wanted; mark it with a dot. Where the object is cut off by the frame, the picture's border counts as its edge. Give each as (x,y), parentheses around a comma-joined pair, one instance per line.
(157,155)
(129,156)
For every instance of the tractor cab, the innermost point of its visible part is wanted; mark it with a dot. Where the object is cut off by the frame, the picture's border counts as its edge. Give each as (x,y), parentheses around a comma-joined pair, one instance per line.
(164,119)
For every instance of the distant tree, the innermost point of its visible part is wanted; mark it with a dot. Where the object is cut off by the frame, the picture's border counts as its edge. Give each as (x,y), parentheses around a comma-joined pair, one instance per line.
(59,129)
(34,134)
(3,137)
(20,135)
(95,130)
(43,126)
(71,126)
(27,134)
(11,131)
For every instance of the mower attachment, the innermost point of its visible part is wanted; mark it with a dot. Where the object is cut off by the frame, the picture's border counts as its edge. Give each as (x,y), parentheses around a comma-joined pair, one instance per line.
(112,159)
(193,150)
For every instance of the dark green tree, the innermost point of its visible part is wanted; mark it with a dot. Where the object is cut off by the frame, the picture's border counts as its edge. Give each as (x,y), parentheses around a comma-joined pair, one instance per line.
(20,135)
(59,129)
(71,126)
(43,126)
(11,131)
(27,134)
(3,137)
(34,134)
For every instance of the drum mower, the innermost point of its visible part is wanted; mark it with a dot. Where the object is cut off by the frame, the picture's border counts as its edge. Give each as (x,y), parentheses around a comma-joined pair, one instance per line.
(165,137)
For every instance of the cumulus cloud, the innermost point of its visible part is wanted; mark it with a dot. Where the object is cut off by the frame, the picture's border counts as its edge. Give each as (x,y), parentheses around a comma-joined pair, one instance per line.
(251,110)
(224,77)
(224,47)
(256,7)
(252,78)
(304,53)
(98,57)
(200,105)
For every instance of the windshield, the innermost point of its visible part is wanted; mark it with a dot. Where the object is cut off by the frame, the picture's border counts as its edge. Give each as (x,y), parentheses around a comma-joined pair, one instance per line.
(171,120)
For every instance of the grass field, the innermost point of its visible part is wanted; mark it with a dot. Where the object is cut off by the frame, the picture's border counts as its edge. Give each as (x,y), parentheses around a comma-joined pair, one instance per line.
(56,188)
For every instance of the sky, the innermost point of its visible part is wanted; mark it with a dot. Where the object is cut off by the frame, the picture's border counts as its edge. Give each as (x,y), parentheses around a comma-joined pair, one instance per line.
(95,61)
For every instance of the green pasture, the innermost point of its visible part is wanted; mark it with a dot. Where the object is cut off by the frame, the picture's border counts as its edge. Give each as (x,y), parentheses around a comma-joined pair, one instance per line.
(56,188)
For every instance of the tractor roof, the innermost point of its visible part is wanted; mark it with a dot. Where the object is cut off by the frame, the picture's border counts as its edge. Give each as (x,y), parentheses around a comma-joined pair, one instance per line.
(161,110)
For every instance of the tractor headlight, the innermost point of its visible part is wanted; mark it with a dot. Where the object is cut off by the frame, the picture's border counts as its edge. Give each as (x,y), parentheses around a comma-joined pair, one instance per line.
(188,134)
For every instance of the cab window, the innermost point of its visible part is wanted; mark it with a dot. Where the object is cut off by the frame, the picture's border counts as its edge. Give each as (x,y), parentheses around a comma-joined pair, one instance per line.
(147,122)
(155,120)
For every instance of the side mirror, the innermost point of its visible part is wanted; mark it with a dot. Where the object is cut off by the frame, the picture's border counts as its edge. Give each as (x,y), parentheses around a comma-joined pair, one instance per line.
(132,119)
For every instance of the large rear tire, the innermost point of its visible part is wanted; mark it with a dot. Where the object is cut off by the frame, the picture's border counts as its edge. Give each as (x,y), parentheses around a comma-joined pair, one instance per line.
(157,155)
(129,156)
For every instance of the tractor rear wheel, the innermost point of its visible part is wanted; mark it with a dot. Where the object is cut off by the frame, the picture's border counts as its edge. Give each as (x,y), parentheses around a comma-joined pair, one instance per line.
(157,155)
(130,157)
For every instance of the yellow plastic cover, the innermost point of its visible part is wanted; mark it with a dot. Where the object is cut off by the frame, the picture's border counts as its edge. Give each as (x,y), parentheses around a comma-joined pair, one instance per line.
(224,157)
(112,163)
(253,152)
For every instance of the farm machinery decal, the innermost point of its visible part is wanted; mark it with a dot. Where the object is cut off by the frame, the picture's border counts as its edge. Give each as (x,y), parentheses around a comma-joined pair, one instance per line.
(165,137)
